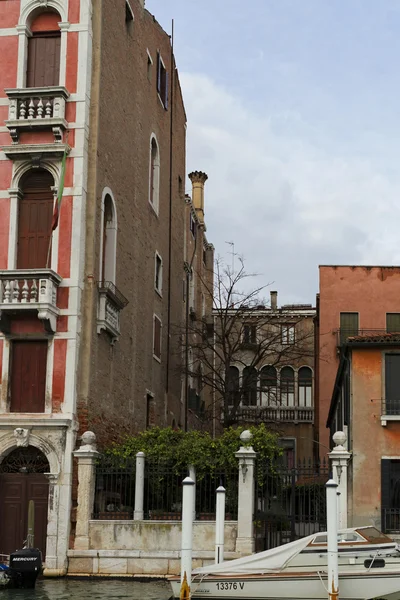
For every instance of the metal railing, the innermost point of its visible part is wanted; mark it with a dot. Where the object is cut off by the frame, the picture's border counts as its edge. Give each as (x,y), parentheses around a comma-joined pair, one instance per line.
(344,336)
(391,520)
(115,488)
(390,407)
(291,414)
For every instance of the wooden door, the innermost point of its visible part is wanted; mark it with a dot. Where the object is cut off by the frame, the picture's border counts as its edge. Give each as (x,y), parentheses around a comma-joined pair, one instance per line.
(43,68)
(34,220)
(28,376)
(16,490)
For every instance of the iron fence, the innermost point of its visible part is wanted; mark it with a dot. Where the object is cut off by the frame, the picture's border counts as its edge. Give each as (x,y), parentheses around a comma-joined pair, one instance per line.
(391,520)
(289,502)
(115,488)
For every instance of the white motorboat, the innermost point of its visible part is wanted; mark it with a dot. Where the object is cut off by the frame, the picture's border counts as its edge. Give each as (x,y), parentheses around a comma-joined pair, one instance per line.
(369,568)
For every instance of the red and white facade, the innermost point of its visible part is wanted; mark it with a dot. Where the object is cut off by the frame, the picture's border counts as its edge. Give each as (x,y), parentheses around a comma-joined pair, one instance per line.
(45,77)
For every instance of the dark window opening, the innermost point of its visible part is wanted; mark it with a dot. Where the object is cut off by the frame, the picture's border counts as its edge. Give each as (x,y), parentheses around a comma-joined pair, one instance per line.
(392,384)
(305,386)
(393,322)
(250,334)
(288,334)
(162,81)
(232,385)
(249,392)
(287,386)
(269,384)
(157,338)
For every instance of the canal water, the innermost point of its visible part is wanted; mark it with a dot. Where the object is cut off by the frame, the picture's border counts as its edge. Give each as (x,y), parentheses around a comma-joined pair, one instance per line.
(91,589)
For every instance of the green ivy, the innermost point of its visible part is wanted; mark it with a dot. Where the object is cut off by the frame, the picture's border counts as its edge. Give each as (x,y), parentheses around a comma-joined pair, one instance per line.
(197,448)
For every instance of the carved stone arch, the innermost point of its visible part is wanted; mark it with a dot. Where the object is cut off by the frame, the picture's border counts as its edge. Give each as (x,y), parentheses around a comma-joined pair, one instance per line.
(34,7)
(8,444)
(20,169)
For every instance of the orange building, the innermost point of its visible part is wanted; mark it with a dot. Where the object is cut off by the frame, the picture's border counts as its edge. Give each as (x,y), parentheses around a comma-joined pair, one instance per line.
(359,384)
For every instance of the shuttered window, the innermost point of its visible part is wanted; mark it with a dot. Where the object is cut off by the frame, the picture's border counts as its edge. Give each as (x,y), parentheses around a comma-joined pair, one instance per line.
(43,67)
(34,220)
(28,376)
(393,322)
(392,384)
(348,325)
(157,338)
(390,494)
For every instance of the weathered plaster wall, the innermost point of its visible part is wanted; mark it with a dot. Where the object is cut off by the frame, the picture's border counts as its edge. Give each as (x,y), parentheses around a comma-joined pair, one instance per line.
(370,291)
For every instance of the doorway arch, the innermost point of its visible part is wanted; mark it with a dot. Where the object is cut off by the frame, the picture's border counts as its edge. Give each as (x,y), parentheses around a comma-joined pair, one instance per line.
(22,478)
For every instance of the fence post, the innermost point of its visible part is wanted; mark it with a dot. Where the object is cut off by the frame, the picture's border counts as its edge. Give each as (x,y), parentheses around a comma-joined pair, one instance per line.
(220,525)
(332,532)
(339,460)
(86,456)
(187,531)
(138,514)
(245,543)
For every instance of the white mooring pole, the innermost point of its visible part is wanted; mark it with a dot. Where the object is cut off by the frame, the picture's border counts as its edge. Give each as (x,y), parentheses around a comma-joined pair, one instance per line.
(332,529)
(187,530)
(220,525)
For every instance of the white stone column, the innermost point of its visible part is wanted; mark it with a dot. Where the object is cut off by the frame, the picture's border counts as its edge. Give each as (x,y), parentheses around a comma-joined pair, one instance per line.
(86,456)
(138,514)
(245,543)
(192,475)
(339,461)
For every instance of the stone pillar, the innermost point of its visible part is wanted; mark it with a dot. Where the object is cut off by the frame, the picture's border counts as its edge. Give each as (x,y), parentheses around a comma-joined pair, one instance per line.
(339,461)
(86,456)
(245,543)
(138,514)
(198,179)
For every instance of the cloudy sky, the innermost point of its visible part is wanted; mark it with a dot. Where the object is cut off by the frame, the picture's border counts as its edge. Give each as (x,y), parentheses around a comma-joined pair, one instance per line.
(293,112)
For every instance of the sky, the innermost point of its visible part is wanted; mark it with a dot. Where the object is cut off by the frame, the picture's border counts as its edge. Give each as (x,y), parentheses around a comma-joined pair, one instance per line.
(293,112)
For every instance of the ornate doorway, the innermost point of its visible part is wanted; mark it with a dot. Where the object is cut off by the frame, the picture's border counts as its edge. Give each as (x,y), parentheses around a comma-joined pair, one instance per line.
(22,479)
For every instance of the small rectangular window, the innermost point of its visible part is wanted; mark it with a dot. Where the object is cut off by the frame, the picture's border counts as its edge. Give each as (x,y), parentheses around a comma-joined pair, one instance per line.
(288,334)
(348,325)
(157,338)
(150,410)
(393,322)
(158,274)
(392,384)
(192,225)
(162,81)
(250,334)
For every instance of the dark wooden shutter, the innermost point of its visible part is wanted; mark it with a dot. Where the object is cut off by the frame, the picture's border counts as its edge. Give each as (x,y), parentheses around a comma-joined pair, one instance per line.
(392,381)
(34,221)
(393,322)
(43,66)
(12,501)
(28,376)
(348,325)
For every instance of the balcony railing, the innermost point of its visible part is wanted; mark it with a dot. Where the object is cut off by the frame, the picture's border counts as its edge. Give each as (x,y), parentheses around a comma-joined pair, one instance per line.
(390,409)
(29,289)
(111,302)
(367,336)
(36,108)
(282,414)
(391,520)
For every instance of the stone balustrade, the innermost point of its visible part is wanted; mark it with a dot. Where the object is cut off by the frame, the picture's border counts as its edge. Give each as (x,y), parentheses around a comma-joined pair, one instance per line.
(42,108)
(31,289)
(262,414)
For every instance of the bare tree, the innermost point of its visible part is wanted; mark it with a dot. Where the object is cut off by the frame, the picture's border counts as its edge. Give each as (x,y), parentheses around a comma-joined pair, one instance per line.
(241,334)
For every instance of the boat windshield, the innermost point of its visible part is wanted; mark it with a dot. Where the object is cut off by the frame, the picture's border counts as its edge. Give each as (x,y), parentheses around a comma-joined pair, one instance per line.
(345,537)
(374,536)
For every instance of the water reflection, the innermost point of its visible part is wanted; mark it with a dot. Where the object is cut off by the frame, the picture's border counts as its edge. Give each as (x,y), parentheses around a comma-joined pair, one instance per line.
(91,589)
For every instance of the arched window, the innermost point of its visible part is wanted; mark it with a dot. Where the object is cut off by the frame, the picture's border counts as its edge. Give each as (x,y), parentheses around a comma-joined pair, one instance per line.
(305,386)
(249,395)
(109,240)
(287,386)
(43,64)
(154,174)
(35,213)
(232,385)
(268,383)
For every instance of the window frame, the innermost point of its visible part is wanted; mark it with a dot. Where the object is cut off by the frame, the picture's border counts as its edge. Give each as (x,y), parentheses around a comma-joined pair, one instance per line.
(158,273)
(155,355)
(162,81)
(301,388)
(249,335)
(288,334)
(154,175)
(390,329)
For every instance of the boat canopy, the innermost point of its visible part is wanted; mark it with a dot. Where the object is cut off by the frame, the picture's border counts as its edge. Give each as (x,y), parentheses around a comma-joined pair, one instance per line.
(270,561)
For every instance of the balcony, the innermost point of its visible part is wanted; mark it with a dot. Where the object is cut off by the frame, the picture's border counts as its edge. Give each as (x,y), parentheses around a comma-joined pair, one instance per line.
(367,337)
(281,414)
(29,290)
(390,410)
(111,302)
(36,109)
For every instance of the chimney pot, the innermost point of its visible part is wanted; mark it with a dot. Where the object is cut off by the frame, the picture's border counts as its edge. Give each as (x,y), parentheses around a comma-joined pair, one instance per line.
(274,300)
(198,179)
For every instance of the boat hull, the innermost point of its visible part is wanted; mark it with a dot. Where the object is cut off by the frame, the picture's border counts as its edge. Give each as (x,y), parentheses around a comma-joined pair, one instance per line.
(293,587)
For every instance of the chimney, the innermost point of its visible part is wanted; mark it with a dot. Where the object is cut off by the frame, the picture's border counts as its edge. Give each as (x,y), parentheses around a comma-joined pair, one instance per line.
(274,300)
(198,179)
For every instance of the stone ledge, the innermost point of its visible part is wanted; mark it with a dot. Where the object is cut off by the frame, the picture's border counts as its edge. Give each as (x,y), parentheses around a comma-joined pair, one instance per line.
(167,554)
